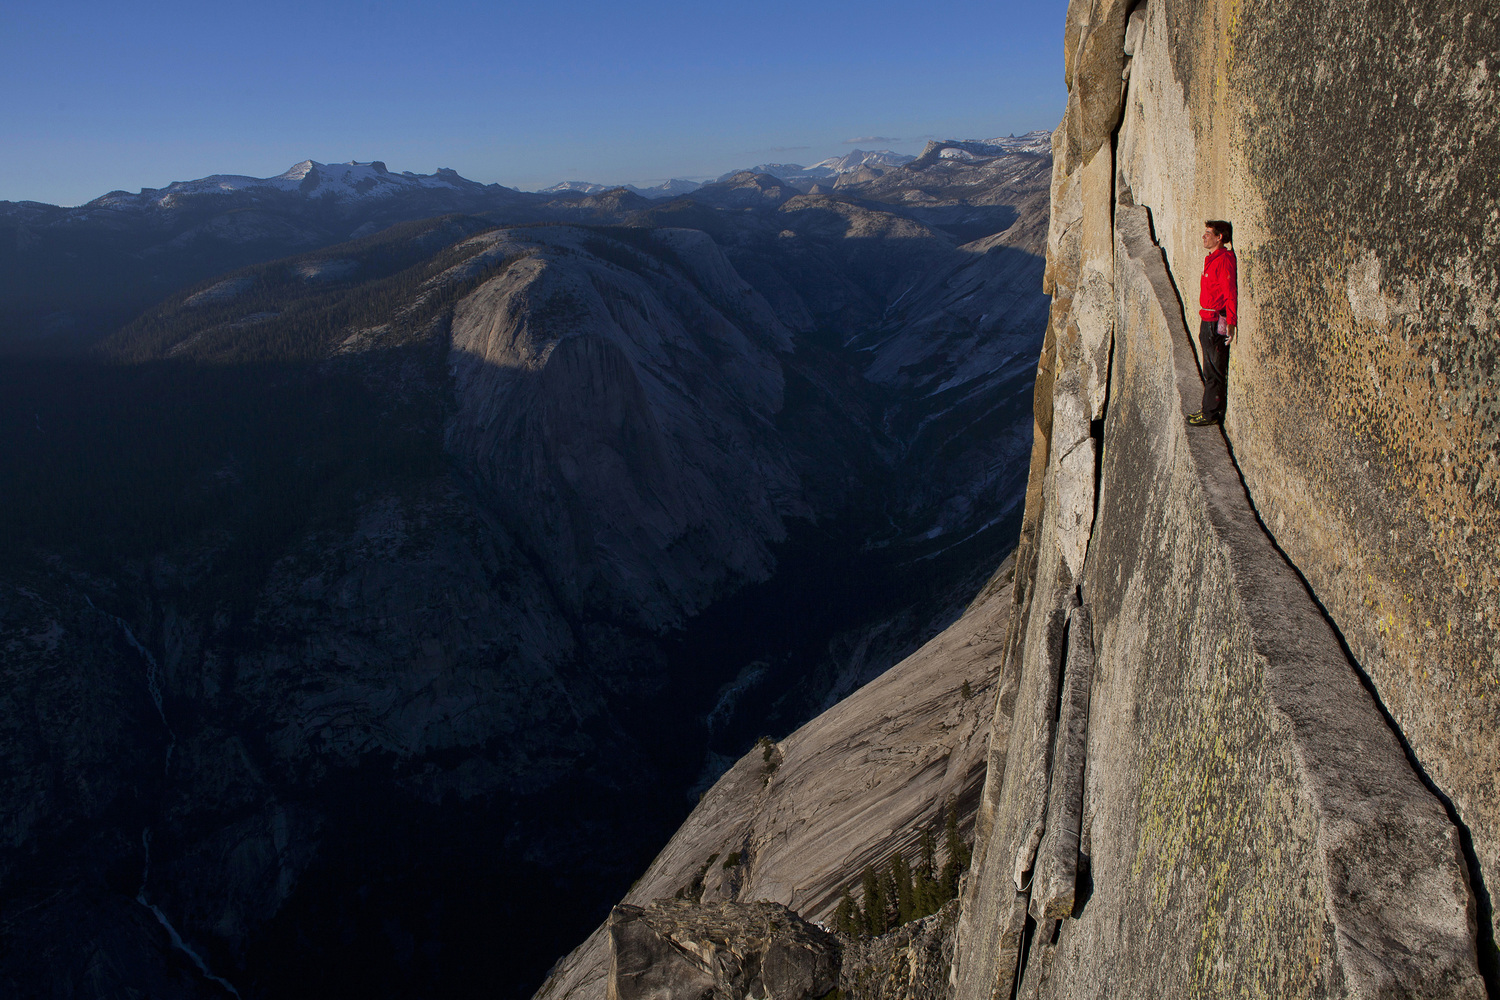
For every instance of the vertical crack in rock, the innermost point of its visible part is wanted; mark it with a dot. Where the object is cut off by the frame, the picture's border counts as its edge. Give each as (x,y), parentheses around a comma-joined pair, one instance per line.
(1484,915)
(1094,48)
(1074,477)
(1056,869)
(1039,772)
(1021,957)
(1384,842)
(1039,958)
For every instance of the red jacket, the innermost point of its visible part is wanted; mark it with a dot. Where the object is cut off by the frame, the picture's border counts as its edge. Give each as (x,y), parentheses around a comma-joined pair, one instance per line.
(1219,292)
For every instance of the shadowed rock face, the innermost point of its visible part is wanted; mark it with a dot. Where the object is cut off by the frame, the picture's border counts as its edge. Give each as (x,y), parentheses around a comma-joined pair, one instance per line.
(1269,805)
(623,423)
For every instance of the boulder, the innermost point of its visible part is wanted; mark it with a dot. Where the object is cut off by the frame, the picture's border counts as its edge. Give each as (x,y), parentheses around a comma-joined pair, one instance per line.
(680,950)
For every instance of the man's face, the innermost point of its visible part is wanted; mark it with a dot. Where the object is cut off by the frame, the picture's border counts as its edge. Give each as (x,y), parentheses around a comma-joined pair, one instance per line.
(1211,239)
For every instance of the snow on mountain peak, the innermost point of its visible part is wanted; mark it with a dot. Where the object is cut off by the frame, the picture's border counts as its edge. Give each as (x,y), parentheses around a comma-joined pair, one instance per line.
(340,181)
(296,172)
(1036,141)
(856,158)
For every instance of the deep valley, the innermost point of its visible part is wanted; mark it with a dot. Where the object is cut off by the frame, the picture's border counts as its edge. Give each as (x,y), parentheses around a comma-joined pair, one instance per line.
(376,613)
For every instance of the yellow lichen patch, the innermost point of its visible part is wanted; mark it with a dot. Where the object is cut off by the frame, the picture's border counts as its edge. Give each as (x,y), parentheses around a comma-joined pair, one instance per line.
(1371,457)
(1223,836)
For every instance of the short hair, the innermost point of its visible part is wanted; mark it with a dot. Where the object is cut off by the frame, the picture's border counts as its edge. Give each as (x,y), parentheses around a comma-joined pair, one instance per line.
(1224,229)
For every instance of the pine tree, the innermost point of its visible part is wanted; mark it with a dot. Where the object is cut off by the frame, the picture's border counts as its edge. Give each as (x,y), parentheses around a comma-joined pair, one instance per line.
(929,895)
(948,881)
(915,882)
(905,897)
(889,886)
(849,919)
(875,901)
(957,852)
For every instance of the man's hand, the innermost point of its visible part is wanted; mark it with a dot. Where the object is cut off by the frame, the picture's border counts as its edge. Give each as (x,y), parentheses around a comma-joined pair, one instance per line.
(1229,334)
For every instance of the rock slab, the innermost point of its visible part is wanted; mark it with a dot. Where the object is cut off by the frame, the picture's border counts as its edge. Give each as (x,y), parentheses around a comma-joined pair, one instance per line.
(680,950)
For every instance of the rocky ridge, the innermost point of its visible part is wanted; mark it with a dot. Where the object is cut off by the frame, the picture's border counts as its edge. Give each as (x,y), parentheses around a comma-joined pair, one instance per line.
(912,962)
(734,951)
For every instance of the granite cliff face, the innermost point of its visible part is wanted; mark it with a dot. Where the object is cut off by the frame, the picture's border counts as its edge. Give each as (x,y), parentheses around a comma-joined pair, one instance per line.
(1245,737)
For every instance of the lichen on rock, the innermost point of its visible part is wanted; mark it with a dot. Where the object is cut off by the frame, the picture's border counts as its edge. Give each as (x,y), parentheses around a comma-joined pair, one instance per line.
(1281,615)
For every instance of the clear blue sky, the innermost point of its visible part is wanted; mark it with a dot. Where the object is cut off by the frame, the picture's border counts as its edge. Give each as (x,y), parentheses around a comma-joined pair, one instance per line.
(104,96)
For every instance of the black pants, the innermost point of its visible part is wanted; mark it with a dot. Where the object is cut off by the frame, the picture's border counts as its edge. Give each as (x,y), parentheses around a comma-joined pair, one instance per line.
(1215,367)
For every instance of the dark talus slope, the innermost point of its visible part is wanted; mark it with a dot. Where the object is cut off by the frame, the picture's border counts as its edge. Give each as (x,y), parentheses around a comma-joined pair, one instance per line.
(400,531)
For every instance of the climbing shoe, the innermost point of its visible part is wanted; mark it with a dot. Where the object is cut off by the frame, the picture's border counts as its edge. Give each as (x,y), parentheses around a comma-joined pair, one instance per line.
(1201,419)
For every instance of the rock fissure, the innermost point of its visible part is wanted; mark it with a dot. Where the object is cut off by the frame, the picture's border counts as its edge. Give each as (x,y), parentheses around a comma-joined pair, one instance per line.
(1023,955)
(1041,767)
(1484,905)
(1058,855)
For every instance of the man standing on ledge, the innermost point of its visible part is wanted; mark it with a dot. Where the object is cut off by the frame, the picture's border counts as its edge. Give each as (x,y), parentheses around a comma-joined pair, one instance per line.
(1218,302)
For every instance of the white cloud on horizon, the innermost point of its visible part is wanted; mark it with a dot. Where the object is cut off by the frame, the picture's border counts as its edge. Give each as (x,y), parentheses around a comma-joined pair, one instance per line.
(870,138)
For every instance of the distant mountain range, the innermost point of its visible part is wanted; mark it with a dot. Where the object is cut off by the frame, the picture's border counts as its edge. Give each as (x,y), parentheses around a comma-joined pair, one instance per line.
(873,162)
(69,276)
(1036,143)
(374,181)
(667,189)
(318,180)
(795,174)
